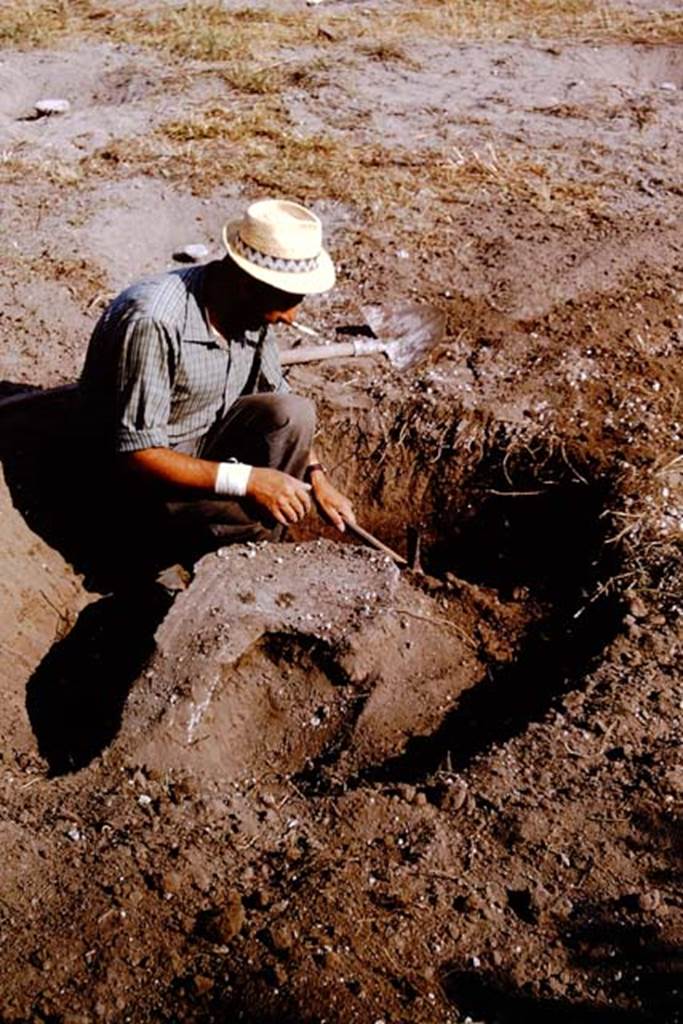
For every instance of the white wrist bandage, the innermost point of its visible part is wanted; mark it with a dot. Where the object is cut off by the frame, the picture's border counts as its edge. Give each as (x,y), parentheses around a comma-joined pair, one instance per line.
(232,479)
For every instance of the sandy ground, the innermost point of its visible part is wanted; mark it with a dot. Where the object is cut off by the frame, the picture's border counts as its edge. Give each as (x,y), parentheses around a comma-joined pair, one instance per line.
(312,788)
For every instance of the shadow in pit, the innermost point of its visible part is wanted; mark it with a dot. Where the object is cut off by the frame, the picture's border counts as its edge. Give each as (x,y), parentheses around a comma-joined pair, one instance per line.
(631,945)
(76,695)
(63,491)
(75,698)
(550,547)
(627,954)
(484,997)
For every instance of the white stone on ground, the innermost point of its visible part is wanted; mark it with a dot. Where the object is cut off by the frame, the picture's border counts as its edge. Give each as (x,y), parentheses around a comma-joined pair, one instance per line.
(52,106)
(193,253)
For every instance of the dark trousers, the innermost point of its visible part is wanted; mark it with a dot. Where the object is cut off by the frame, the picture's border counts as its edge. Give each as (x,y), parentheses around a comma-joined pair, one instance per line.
(266,430)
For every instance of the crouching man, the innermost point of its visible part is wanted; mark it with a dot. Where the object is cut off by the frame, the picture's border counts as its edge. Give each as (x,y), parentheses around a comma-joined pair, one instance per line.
(184,398)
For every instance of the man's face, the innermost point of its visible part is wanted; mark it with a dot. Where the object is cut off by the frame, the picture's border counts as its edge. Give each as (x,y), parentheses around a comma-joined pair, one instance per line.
(272,306)
(257,303)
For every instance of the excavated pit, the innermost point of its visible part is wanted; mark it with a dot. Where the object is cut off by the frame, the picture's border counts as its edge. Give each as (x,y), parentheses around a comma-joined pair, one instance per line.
(515,567)
(533,560)
(508,615)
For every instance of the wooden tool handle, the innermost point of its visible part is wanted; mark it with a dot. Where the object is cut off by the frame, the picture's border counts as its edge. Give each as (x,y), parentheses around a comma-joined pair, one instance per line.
(335,350)
(311,353)
(373,542)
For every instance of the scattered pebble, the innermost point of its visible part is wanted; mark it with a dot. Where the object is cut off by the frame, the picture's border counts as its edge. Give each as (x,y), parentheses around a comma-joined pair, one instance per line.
(649,901)
(221,924)
(192,253)
(202,984)
(52,106)
(281,936)
(637,607)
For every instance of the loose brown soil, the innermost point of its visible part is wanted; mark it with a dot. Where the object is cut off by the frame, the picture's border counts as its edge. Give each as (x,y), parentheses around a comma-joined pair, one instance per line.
(313,788)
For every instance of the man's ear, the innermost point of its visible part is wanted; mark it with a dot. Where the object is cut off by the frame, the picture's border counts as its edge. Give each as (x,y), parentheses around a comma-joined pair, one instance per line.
(247,287)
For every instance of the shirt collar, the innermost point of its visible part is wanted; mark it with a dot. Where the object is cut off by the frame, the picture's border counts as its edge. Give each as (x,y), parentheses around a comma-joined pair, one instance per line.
(197,327)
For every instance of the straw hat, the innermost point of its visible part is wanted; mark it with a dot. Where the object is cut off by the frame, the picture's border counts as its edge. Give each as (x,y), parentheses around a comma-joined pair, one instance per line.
(280,243)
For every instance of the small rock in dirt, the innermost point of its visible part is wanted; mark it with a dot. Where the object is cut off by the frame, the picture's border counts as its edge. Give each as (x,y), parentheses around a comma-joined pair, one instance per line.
(171,882)
(455,797)
(279,974)
(331,961)
(261,898)
(674,780)
(221,924)
(174,579)
(431,583)
(281,936)
(202,984)
(202,878)
(407,792)
(52,106)
(192,253)
(637,607)
(649,901)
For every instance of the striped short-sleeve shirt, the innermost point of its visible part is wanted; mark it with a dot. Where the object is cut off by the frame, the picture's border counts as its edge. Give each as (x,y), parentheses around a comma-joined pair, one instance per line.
(156,375)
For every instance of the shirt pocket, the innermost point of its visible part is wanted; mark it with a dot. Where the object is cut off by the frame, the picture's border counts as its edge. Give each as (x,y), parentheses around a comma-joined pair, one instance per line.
(200,377)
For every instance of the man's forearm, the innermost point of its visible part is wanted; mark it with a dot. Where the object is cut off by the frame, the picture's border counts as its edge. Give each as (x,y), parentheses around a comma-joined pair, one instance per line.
(284,497)
(169,470)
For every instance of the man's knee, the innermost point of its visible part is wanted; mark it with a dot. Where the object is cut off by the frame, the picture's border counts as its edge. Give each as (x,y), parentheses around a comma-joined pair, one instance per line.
(293,412)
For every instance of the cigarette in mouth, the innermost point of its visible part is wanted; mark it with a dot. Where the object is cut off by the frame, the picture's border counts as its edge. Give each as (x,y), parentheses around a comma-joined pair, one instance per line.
(305,329)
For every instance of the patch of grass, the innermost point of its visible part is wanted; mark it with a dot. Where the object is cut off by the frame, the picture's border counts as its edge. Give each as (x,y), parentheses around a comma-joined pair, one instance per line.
(16,169)
(270,79)
(524,19)
(389,53)
(206,30)
(85,281)
(41,23)
(203,29)
(260,149)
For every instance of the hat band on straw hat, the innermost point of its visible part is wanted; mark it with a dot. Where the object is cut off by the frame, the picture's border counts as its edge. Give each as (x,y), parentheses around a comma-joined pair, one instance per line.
(262,259)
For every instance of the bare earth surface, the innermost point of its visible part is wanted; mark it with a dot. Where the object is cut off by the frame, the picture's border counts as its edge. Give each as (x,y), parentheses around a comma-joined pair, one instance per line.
(313,789)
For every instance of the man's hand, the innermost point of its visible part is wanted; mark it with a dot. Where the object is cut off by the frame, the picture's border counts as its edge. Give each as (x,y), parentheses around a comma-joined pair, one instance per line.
(334,505)
(286,499)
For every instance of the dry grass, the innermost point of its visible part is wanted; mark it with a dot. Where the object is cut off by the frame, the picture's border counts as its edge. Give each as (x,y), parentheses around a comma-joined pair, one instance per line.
(260,149)
(84,280)
(547,19)
(205,30)
(18,169)
(273,78)
(40,23)
(389,53)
